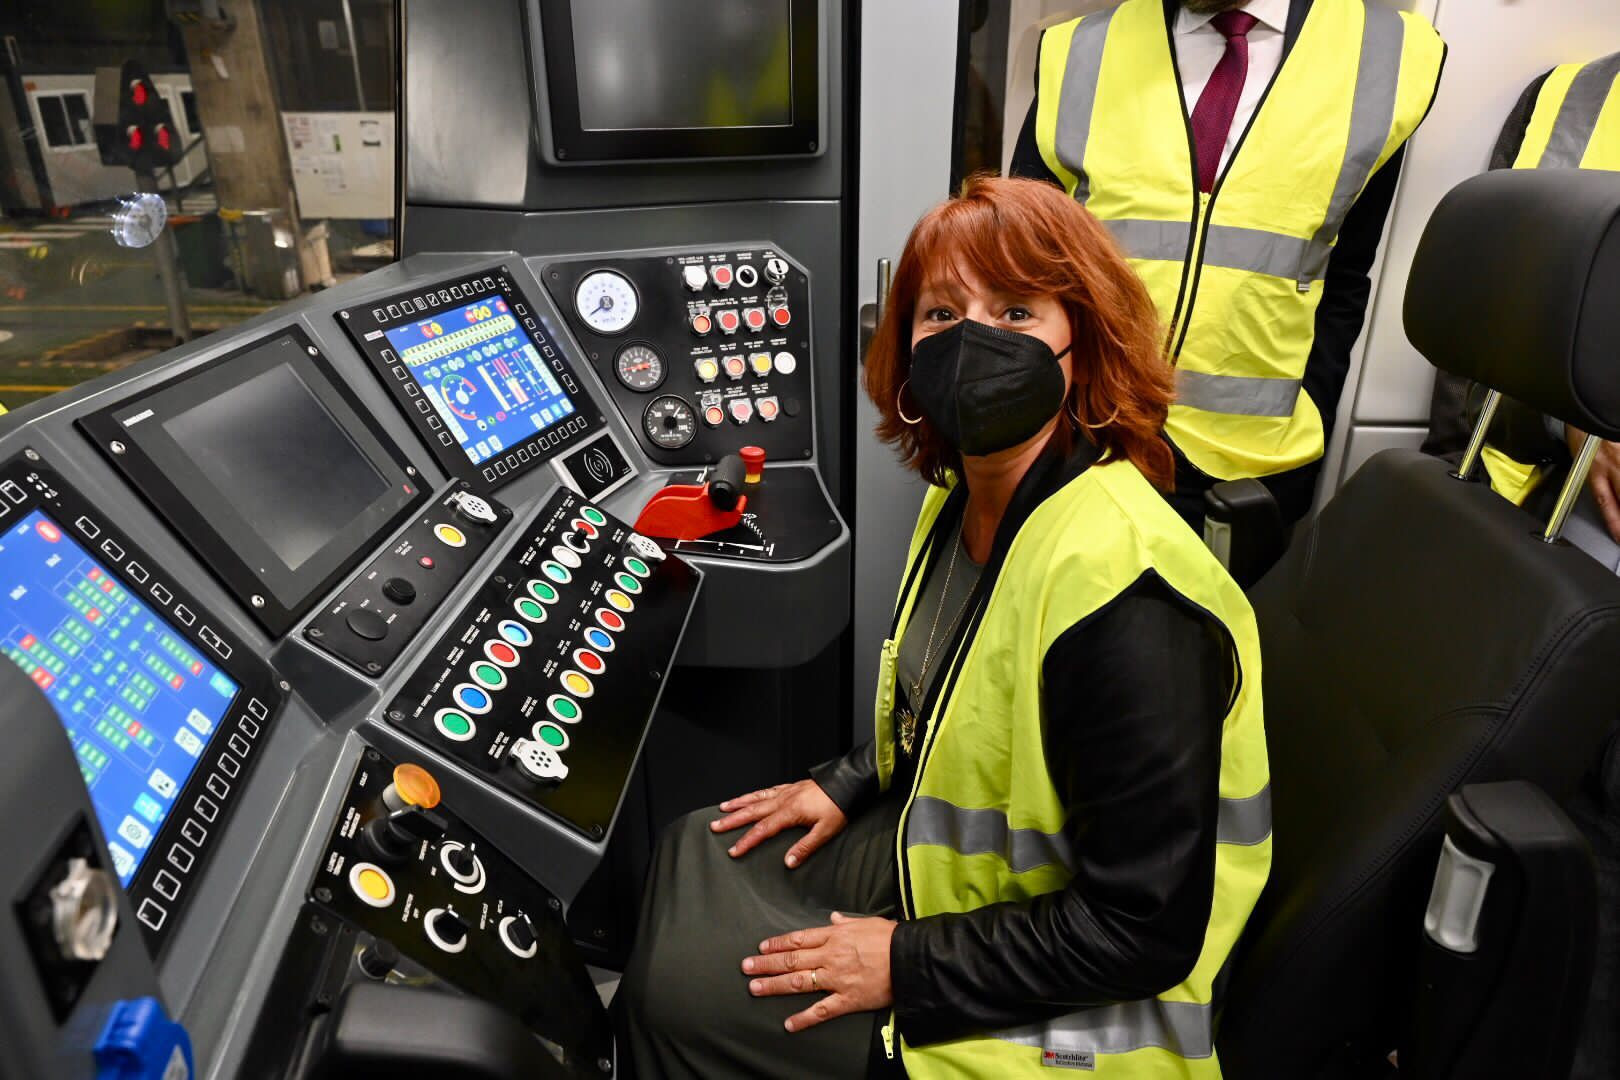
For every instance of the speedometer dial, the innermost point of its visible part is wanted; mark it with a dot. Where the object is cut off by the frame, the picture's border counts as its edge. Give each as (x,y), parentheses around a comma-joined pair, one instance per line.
(607,301)
(639,367)
(669,422)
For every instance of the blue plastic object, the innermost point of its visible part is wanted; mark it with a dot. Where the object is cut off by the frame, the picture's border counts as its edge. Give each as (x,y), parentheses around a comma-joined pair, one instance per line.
(140,1042)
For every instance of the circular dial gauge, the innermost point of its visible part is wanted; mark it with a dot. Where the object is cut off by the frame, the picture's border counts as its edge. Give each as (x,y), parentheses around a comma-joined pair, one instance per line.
(639,367)
(669,422)
(606,301)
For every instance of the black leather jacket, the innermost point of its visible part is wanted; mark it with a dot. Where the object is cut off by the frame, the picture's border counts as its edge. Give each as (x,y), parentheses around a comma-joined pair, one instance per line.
(1134,698)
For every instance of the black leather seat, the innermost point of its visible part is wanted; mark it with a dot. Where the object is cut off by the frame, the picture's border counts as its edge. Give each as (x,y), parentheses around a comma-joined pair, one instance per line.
(1421,637)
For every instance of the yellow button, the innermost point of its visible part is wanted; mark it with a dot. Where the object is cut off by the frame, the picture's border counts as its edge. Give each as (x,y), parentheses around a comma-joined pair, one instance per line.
(619,600)
(578,684)
(761,362)
(450,535)
(416,786)
(373,884)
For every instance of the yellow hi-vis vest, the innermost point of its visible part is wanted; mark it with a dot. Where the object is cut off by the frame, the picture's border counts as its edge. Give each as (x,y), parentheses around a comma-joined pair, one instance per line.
(984,821)
(1237,273)
(1575,125)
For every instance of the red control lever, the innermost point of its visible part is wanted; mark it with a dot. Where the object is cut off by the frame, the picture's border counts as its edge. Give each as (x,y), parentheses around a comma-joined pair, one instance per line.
(693,511)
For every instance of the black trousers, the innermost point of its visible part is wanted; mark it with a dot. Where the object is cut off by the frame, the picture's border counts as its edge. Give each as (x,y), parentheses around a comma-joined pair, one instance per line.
(683,1007)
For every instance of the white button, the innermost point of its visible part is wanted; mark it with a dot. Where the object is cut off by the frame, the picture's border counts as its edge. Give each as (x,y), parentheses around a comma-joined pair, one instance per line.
(207,809)
(786,363)
(152,913)
(181,858)
(219,786)
(166,885)
(567,556)
(194,833)
(229,765)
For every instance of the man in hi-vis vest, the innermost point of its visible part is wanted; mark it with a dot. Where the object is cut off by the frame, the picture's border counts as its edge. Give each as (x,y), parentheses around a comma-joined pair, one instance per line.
(1244,154)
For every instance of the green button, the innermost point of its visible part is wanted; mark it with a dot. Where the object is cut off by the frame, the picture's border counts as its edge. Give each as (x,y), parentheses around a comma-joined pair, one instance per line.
(552,735)
(593,515)
(488,674)
(556,572)
(456,724)
(543,591)
(565,708)
(627,583)
(637,567)
(531,610)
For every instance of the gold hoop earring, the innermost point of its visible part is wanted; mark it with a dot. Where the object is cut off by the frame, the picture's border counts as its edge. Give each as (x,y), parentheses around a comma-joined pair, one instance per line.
(911,421)
(1092,427)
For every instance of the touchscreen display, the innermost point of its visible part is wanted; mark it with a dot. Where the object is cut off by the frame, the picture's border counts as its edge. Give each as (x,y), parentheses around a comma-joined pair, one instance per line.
(483,375)
(663,64)
(138,700)
(270,447)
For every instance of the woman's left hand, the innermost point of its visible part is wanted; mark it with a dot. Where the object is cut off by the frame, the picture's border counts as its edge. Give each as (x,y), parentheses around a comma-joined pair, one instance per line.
(847,961)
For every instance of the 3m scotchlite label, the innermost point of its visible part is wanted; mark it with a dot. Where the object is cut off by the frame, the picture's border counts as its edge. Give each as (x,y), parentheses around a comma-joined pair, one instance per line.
(1578,114)
(1238,395)
(1183,1028)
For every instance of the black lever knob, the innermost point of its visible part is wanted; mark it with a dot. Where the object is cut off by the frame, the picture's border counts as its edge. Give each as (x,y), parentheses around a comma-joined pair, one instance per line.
(378,959)
(396,836)
(726,482)
(521,933)
(463,862)
(450,927)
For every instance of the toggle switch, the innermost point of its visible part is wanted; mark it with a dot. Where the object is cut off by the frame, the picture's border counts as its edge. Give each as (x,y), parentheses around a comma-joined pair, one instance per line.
(445,929)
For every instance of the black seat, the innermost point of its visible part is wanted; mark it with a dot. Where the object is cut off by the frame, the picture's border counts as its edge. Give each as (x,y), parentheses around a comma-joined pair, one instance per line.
(1422,640)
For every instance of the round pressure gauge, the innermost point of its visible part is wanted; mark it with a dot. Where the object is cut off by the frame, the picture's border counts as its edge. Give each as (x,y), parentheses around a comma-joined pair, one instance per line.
(639,367)
(607,301)
(669,422)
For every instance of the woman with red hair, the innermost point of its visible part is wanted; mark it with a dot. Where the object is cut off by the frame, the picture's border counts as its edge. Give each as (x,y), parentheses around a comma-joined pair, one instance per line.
(1048,848)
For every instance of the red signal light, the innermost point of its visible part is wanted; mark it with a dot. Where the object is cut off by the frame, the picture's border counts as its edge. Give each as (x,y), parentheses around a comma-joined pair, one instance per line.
(136,139)
(137,92)
(164,140)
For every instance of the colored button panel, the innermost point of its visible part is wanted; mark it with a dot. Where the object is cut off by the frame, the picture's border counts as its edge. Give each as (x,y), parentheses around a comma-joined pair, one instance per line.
(577,684)
(637,567)
(567,556)
(599,639)
(501,653)
(471,698)
(586,527)
(610,619)
(516,632)
(619,600)
(588,660)
(488,675)
(542,591)
(627,583)
(563,708)
(454,724)
(530,610)
(557,572)
(551,735)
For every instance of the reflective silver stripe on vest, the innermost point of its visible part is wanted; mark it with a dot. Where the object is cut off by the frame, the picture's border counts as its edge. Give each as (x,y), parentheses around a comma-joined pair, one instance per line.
(1245,821)
(1080,75)
(1181,1027)
(984,832)
(1578,115)
(1230,246)
(1372,115)
(1237,395)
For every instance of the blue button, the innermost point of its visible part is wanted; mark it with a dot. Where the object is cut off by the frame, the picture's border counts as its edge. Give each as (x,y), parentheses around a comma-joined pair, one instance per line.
(601,639)
(515,632)
(473,698)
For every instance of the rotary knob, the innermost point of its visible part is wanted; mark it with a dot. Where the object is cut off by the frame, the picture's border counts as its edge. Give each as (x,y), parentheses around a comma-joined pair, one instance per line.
(399,590)
(445,929)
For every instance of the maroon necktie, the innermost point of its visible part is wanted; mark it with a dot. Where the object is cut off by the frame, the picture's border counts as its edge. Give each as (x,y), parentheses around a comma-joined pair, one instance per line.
(1212,118)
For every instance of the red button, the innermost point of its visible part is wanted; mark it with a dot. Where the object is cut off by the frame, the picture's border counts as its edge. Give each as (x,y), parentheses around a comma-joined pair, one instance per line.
(782,316)
(425,562)
(701,324)
(502,653)
(714,416)
(728,320)
(581,525)
(589,660)
(609,619)
(721,275)
(755,317)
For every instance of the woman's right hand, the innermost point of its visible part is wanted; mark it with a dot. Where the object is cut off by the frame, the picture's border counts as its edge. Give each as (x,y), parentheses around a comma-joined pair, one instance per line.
(782,807)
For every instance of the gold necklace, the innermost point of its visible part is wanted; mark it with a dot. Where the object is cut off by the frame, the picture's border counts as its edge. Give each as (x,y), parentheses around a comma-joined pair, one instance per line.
(908,713)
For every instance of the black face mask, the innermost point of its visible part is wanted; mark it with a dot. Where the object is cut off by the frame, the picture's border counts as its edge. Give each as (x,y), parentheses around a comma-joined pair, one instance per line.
(985,389)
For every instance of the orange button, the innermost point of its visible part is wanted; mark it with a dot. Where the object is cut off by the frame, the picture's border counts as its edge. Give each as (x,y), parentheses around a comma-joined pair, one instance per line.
(372,883)
(415,785)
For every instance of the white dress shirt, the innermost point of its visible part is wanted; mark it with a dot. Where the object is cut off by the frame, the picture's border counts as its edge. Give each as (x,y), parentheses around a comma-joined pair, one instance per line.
(1199,47)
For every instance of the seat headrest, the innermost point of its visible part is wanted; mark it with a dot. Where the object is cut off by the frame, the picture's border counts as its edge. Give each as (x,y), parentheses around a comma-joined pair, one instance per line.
(1516,284)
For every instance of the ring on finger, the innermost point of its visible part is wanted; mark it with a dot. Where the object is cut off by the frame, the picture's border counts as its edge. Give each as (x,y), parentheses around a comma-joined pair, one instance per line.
(815,978)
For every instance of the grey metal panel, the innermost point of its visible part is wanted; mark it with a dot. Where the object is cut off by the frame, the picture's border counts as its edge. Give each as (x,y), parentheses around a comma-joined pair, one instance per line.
(473,117)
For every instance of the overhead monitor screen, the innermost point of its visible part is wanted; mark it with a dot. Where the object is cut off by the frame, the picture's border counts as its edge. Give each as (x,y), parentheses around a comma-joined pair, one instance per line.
(483,375)
(670,64)
(139,702)
(296,493)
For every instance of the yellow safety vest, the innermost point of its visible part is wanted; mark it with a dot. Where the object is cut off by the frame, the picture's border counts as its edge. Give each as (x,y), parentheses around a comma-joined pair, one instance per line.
(984,821)
(1237,273)
(1575,125)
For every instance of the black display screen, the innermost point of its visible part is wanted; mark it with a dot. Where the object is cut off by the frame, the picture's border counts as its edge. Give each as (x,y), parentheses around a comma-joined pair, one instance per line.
(268,467)
(297,493)
(656,64)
